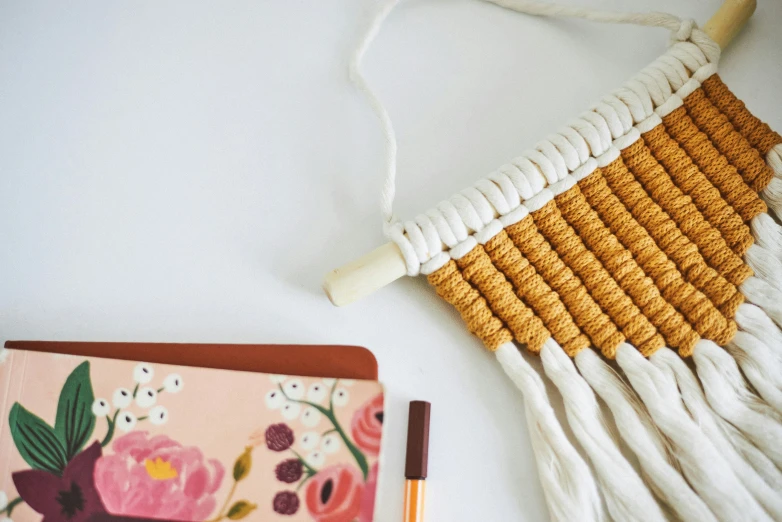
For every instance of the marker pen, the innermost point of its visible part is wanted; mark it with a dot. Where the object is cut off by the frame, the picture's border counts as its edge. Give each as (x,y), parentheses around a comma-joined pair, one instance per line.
(416,461)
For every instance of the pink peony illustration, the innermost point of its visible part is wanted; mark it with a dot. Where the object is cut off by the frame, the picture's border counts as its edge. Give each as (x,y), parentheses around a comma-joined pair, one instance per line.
(367,426)
(334,494)
(157,477)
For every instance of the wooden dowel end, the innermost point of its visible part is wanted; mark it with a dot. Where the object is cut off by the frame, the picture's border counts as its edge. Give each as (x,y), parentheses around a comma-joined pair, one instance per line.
(363,276)
(728,20)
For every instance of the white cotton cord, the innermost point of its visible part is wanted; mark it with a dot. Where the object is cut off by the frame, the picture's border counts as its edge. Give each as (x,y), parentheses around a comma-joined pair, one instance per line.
(754,320)
(760,355)
(772,195)
(389,183)
(729,396)
(767,233)
(644,439)
(626,496)
(764,296)
(759,365)
(767,490)
(774,159)
(724,384)
(710,475)
(568,484)
(765,264)
(681,29)
(754,469)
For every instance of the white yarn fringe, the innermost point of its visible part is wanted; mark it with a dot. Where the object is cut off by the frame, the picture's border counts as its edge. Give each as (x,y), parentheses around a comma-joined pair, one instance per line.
(763,295)
(759,365)
(767,233)
(729,396)
(626,496)
(568,484)
(766,265)
(772,195)
(755,470)
(774,159)
(705,468)
(643,438)
(754,320)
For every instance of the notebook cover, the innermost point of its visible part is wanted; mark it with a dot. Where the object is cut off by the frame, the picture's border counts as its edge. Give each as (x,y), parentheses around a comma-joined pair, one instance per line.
(185,442)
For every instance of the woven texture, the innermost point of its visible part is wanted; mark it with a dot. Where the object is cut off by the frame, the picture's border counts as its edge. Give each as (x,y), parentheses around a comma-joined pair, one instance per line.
(647,248)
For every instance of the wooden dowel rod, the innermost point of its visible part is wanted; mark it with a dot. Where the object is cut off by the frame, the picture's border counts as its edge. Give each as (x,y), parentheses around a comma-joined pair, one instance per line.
(385,265)
(728,20)
(357,279)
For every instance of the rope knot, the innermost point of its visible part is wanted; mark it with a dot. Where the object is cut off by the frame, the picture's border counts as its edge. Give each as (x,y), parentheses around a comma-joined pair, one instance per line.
(684,32)
(389,224)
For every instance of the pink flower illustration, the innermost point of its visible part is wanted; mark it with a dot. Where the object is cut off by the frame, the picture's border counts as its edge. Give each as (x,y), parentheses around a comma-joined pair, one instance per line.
(157,478)
(367,426)
(334,494)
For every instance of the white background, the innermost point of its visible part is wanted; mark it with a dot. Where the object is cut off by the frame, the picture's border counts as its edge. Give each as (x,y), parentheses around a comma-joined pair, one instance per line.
(189,171)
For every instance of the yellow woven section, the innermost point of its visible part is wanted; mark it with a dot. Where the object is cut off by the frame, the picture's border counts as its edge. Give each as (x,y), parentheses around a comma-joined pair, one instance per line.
(647,249)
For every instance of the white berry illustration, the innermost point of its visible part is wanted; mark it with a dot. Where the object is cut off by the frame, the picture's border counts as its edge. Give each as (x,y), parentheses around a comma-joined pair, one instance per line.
(146,397)
(143,373)
(101,407)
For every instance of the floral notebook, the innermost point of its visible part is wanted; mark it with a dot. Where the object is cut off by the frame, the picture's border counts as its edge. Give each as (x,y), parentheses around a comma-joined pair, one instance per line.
(95,439)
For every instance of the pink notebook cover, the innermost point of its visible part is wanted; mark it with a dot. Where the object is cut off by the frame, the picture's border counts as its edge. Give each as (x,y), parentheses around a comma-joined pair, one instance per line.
(92,439)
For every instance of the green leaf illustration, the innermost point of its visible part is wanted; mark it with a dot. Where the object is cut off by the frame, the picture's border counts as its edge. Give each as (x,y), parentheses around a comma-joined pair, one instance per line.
(75,422)
(36,441)
(240,509)
(243,464)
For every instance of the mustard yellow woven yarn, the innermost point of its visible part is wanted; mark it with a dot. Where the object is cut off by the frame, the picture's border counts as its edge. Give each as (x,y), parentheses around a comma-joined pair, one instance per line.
(646,249)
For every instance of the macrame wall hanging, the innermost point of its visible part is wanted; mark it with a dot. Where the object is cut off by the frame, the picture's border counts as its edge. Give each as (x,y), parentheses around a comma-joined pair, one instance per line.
(640,233)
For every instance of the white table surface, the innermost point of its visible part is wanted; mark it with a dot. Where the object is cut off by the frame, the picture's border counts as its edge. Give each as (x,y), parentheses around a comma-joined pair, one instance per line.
(189,171)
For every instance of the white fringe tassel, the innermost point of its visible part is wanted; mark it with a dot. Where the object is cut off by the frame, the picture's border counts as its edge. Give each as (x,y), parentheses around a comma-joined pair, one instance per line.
(754,320)
(765,230)
(772,195)
(626,496)
(774,159)
(568,484)
(758,350)
(767,233)
(643,438)
(765,264)
(763,295)
(705,468)
(759,366)
(729,396)
(760,476)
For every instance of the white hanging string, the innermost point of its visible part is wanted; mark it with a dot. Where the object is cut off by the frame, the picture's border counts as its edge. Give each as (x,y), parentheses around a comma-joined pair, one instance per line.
(681,30)
(389,183)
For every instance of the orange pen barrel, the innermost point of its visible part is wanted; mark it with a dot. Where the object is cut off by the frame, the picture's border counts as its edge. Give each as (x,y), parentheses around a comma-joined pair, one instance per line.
(414,500)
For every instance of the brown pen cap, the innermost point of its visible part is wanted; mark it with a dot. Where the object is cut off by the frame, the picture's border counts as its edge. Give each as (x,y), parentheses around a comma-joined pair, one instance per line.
(417,440)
